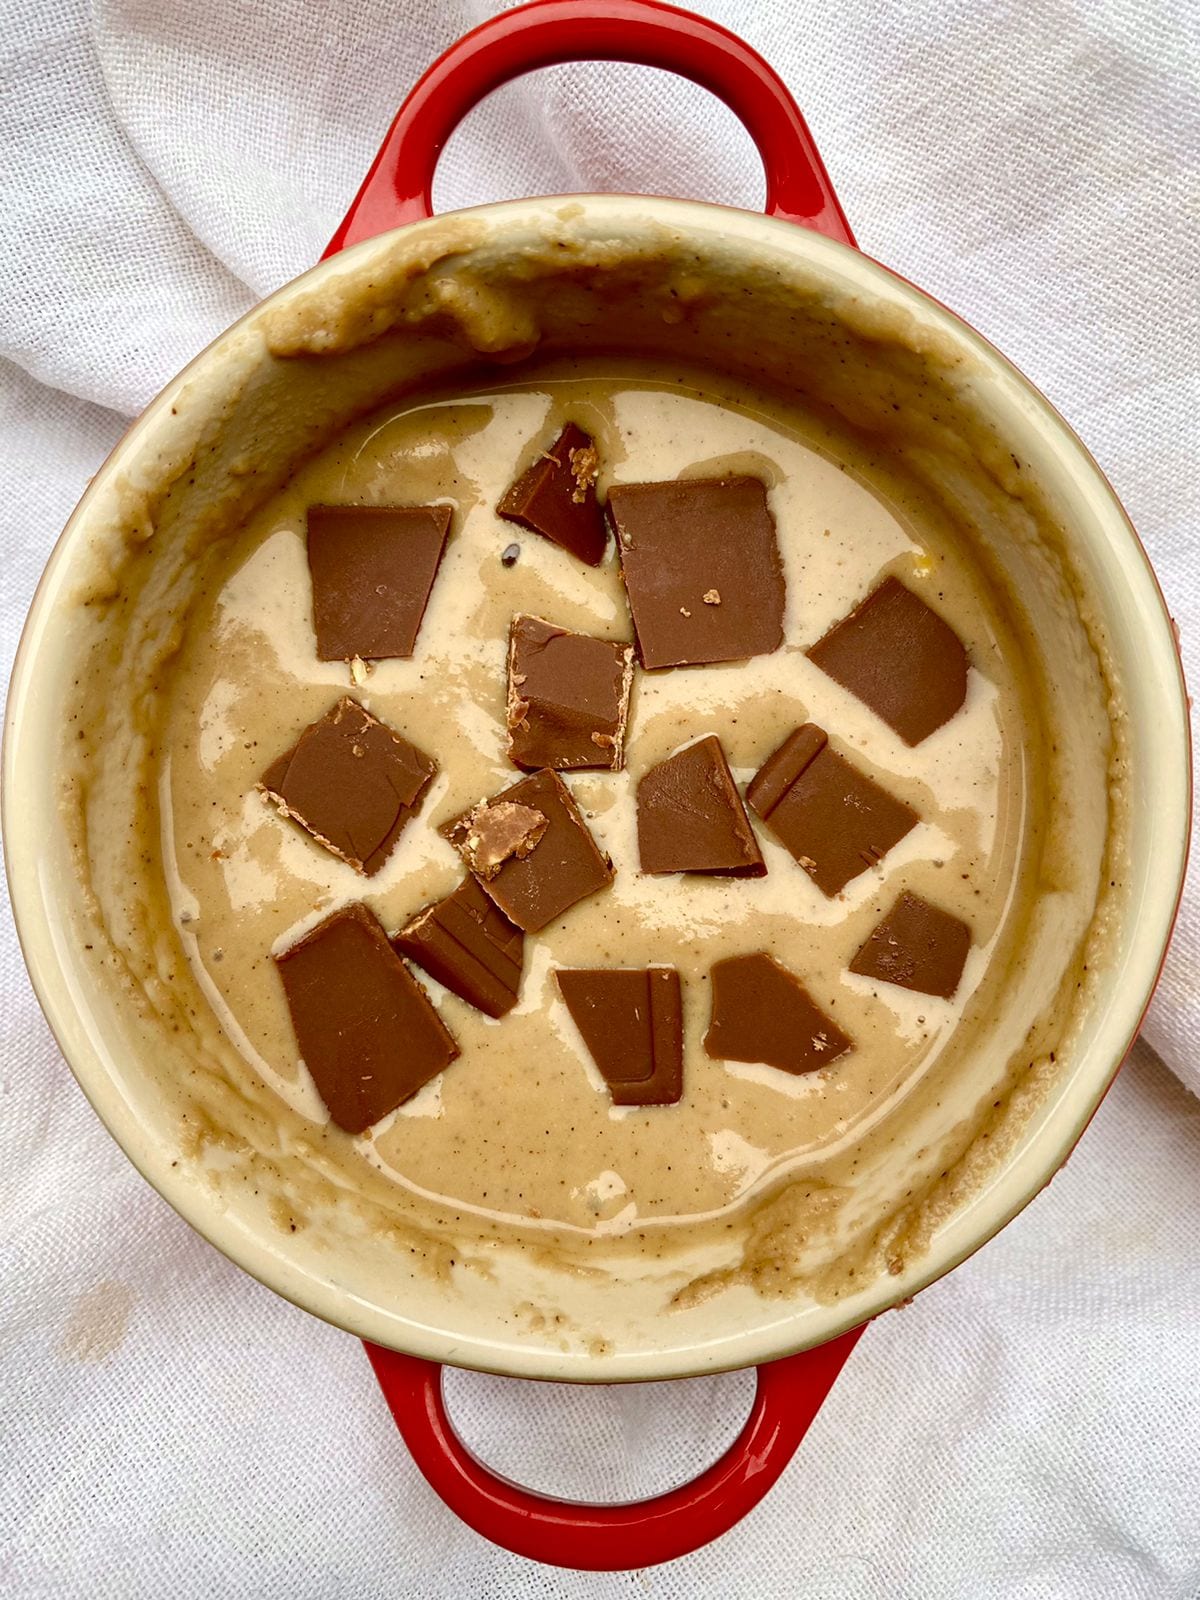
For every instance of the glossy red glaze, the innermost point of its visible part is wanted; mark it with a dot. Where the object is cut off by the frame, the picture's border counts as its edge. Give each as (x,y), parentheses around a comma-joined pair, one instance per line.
(611,1538)
(398,188)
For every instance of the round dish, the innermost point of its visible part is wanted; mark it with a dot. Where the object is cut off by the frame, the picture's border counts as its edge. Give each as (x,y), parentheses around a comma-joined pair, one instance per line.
(238,373)
(407,308)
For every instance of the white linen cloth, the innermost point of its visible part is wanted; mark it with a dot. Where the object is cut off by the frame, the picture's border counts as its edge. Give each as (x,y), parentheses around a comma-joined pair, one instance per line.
(1027,1429)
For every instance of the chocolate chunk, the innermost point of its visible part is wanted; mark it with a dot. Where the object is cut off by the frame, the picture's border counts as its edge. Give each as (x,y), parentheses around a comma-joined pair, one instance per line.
(557,497)
(562,867)
(367,1030)
(496,831)
(685,541)
(762,1012)
(917,946)
(352,783)
(372,569)
(631,1020)
(835,820)
(568,697)
(467,943)
(690,816)
(900,658)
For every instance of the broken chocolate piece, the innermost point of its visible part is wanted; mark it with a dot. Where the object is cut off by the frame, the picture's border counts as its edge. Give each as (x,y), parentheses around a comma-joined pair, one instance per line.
(918,946)
(568,697)
(469,945)
(631,1020)
(352,783)
(900,658)
(761,1012)
(556,497)
(562,867)
(368,1032)
(690,816)
(372,570)
(835,820)
(496,831)
(685,541)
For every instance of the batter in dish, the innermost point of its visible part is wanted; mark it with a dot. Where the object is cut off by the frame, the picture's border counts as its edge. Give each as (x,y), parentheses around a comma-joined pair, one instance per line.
(521,1129)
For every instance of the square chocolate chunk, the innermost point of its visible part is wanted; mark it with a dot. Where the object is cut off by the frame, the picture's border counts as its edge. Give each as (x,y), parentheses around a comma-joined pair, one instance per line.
(367,1031)
(352,783)
(631,1020)
(690,816)
(556,497)
(900,658)
(917,946)
(568,697)
(372,571)
(549,868)
(761,1012)
(469,945)
(701,567)
(835,820)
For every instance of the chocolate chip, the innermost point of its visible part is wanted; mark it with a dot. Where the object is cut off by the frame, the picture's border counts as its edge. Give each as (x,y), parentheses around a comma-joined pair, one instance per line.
(352,783)
(631,1020)
(690,816)
(367,1031)
(563,865)
(372,571)
(684,541)
(761,1012)
(917,946)
(469,945)
(556,497)
(835,820)
(510,555)
(900,658)
(568,697)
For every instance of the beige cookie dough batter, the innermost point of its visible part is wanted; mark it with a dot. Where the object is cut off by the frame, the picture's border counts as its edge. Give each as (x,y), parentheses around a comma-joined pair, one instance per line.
(520,1131)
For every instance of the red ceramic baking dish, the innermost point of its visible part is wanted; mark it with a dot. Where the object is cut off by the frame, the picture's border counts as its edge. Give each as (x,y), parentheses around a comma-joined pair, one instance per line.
(411,1327)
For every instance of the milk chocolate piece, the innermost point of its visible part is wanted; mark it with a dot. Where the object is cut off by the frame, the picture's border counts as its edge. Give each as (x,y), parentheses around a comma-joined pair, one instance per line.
(562,867)
(900,658)
(367,1030)
(631,1020)
(690,816)
(557,497)
(762,1012)
(917,946)
(835,820)
(496,831)
(568,697)
(467,943)
(701,568)
(372,569)
(352,783)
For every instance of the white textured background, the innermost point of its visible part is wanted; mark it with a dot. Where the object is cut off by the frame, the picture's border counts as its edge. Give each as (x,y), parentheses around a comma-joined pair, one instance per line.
(1030,1428)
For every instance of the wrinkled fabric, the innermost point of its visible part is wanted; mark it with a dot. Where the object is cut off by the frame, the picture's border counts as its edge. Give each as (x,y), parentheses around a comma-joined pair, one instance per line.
(1026,1429)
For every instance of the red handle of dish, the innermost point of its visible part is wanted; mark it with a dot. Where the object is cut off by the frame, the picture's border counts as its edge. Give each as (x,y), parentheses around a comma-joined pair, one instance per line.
(398,188)
(611,1538)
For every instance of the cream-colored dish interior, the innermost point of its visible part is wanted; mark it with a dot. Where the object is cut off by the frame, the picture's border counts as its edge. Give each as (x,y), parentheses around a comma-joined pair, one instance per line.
(945,445)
